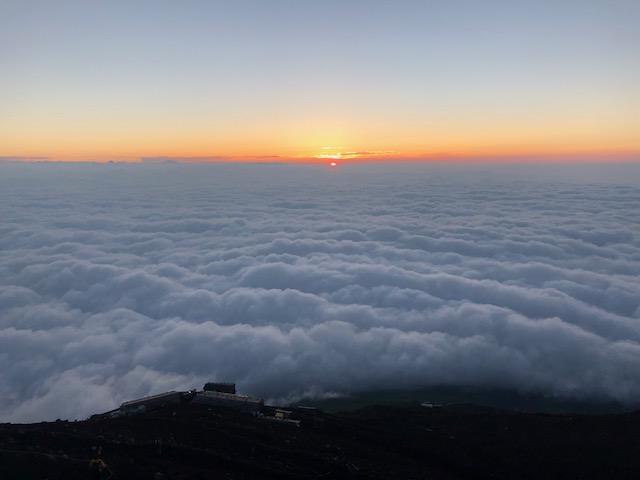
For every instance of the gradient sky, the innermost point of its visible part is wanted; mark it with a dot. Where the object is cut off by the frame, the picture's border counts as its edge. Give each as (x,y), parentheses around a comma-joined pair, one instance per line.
(284,79)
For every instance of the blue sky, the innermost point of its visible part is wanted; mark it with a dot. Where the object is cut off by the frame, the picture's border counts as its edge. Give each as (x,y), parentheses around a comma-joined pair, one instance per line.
(98,80)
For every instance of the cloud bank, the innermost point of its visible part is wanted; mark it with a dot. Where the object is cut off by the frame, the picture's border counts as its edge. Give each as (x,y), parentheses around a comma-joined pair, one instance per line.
(118,281)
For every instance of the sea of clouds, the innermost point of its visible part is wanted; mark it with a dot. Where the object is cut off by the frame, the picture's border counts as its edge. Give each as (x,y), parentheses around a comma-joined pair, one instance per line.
(123,280)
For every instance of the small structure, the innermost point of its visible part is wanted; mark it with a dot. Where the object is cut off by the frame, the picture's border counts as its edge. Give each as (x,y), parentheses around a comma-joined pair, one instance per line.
(282,414)
(221,399)
(220,387)
(160,400)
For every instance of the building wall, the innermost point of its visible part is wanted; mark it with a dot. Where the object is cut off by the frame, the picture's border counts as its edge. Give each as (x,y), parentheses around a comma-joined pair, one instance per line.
(219,399)
(167,398)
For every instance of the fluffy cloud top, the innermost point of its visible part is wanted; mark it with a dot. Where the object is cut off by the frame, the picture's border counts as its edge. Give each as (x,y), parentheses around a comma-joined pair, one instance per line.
(118,281)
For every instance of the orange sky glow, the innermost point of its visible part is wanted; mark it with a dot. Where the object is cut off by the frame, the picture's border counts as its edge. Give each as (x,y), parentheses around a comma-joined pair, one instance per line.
(320,82)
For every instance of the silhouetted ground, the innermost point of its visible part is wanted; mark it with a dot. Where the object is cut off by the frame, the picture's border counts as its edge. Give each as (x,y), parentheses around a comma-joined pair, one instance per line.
(450,442)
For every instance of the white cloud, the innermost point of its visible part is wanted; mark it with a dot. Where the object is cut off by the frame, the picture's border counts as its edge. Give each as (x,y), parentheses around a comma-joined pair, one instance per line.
(119,282)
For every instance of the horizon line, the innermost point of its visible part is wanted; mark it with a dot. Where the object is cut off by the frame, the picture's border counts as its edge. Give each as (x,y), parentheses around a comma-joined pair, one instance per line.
(550,158)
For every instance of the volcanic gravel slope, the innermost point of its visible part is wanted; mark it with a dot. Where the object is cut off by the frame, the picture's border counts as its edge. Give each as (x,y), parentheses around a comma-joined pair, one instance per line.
(376,442)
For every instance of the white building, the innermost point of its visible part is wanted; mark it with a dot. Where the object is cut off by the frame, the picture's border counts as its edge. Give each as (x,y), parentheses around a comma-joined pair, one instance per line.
(160,400)
(221,399)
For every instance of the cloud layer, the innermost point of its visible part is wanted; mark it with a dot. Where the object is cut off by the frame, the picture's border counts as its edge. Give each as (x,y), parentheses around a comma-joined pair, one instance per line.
(118,281)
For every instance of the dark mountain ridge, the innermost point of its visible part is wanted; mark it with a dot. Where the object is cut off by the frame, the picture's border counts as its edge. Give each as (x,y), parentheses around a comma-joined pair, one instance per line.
(192,441)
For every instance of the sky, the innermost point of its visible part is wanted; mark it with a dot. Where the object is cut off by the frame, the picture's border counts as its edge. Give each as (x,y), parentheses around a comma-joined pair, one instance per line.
(122,280)
(285,80)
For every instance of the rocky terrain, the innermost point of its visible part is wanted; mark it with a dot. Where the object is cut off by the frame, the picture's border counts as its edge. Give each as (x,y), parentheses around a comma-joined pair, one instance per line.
(189,441)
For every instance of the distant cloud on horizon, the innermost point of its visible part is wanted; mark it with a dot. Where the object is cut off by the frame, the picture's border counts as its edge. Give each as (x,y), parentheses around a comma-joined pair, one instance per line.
(168,159)
(116,283)
(348,156)
(10,158)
